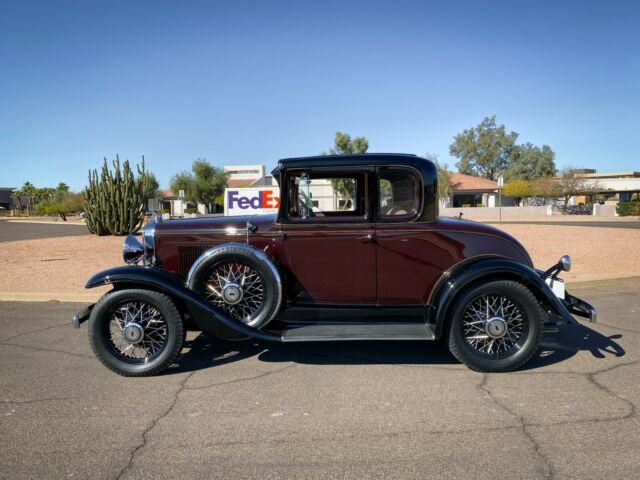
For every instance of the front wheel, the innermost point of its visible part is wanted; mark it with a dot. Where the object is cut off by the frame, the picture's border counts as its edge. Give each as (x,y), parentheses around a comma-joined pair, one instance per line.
(495,326)
(136,332)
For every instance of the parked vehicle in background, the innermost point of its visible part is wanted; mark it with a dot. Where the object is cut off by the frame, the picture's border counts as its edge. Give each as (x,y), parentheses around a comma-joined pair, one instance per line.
(356,251)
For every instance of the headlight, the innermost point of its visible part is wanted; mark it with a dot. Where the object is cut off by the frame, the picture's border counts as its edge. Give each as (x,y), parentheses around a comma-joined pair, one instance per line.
(132,250)
(148,241)
(565,261)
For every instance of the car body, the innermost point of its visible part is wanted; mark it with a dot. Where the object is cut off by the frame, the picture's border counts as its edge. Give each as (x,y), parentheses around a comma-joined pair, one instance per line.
(357,251)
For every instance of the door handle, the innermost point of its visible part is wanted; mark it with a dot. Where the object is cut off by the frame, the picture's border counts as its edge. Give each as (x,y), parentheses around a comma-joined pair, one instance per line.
(368,238)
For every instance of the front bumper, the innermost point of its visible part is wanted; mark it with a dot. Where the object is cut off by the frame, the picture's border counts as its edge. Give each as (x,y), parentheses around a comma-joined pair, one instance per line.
(81,317)
(573,305)
(579,307)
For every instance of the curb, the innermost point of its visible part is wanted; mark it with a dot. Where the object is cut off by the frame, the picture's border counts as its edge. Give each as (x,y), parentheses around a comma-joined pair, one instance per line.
(49,297)
(48,222)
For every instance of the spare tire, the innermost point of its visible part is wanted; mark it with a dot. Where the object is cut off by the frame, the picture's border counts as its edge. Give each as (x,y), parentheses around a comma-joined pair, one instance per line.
(239,280)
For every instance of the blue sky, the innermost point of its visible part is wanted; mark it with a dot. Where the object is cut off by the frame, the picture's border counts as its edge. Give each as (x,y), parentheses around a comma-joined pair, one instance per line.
(251,82)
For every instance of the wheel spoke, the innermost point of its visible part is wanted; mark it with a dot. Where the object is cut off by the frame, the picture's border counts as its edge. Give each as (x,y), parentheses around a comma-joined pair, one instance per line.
(493,325)
(249,292)
(143,319)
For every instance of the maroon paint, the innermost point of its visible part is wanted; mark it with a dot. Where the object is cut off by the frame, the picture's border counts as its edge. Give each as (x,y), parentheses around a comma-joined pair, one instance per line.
(334,263)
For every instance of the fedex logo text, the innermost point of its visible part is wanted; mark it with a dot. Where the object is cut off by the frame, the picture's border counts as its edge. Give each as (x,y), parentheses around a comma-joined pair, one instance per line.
(264,199)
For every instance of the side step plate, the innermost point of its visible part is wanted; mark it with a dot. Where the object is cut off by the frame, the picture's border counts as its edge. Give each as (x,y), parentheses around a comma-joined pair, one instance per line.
(348,332)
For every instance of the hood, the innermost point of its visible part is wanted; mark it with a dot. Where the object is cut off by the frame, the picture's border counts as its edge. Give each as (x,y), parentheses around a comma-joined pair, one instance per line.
(203,224)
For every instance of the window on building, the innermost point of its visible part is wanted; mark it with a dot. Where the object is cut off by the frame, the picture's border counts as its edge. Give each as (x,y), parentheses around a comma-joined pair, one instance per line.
(467,200)
(399,194)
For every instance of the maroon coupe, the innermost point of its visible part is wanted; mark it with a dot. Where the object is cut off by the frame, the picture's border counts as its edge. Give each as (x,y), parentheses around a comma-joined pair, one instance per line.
(356,252)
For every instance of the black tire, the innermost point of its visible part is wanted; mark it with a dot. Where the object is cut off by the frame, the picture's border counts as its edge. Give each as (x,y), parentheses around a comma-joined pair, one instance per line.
(240,259)
(105,344)
(525,332)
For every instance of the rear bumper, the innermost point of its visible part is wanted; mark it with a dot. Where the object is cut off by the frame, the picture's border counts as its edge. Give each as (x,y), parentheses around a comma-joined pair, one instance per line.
(82,316)
(579,307)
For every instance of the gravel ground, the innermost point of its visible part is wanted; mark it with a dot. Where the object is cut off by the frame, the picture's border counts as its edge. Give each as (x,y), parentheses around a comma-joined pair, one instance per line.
(62,265)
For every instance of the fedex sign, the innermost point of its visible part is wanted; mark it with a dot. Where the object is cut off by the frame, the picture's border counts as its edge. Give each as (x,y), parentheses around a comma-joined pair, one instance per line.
(251,201)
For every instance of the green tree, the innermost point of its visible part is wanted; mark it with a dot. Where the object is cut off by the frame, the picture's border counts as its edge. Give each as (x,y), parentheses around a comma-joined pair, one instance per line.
(518,189)
(485,150)
(343,144)
(444,179)
(61,191)
(29,191)
(203,185)
(153,187)
(529,162)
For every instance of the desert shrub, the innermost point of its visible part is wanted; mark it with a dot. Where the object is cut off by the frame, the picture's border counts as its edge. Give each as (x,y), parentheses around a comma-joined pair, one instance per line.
(52,209)
(73,202)
(628,209)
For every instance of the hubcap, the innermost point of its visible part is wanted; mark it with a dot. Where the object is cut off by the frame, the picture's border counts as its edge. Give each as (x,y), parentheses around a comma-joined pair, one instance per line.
(232,293)
(137,332)
(238,290)
(494,325)
(133,332)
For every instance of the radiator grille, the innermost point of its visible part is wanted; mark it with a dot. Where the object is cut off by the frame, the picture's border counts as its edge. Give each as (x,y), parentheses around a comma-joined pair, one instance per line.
(189,253)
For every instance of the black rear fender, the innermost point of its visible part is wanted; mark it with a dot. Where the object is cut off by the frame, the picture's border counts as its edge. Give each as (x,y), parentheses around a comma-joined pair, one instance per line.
(463,275)
(151,278)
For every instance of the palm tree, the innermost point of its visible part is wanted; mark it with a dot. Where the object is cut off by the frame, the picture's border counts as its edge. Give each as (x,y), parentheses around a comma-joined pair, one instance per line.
(16,194)
(30,192)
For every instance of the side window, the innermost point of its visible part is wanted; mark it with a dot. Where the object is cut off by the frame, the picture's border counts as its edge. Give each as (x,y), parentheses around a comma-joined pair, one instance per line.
(326,197)
(399,195)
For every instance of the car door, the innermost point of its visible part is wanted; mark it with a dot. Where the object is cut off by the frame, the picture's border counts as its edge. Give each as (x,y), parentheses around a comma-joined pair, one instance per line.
(329,249)
(405,251)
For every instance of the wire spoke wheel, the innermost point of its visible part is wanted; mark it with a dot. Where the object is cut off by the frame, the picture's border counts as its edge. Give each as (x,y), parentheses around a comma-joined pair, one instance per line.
(494,326)
(136,332)
(237,289)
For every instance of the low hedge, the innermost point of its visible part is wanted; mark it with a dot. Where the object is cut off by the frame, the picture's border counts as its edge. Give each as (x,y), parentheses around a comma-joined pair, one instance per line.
(628,209)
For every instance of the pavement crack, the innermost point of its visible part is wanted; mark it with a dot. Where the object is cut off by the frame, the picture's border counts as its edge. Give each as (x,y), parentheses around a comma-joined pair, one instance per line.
(548,468)
(50,327)
(244,379)
(52,350)
(632,408)
(152,425)
(36,400)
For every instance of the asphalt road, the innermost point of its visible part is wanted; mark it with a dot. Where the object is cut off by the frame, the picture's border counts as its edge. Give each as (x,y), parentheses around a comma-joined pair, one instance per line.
(14,231)
(352,410)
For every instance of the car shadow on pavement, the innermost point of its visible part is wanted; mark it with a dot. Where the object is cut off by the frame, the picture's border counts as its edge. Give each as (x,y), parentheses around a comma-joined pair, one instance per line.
(205,351)
(572,339)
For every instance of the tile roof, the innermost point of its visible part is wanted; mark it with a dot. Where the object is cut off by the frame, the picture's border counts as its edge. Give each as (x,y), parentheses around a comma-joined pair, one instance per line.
(461,182)
(167,193)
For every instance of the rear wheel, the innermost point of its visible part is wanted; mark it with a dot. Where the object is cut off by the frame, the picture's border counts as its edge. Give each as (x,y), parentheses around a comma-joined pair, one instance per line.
(495,327)
(136,332)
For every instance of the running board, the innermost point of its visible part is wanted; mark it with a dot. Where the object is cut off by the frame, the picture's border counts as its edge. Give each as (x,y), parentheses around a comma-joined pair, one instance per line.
(348,332)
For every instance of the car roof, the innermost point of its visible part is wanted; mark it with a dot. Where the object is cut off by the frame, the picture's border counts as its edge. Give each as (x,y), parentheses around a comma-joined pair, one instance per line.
(355,160)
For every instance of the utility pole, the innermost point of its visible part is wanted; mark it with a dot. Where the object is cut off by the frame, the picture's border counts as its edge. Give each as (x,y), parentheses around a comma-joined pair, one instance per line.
(500,185)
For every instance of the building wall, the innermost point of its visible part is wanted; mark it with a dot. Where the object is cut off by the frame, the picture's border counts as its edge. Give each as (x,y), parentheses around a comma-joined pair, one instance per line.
(245,172)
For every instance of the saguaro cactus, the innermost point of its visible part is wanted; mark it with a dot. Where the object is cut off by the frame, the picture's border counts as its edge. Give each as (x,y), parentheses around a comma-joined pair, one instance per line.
(115,202)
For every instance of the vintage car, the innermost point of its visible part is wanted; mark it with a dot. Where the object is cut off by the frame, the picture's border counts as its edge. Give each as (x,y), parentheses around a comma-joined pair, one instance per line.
(356,251)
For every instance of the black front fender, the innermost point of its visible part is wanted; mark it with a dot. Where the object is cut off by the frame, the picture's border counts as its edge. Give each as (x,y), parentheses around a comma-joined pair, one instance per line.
(154,279)
(494,268)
